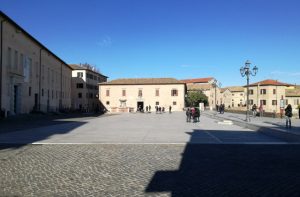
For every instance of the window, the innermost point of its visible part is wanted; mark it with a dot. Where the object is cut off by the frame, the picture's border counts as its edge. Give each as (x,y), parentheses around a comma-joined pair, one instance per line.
(174,92)
(274,102)
(241,94)
(250,102)
(80,74)
(274,91)
(286,102)
(123,92)
(21,61)
(79,95)
(263,102)
(232,94)
(250,92)
(263,91)
(107,102)
(42,92)
(29,91)
(157,92)
(16,59)
(174,103)
(107,92)
(156,103)
(296,101)
(79,85)
(140,94)
(9,57)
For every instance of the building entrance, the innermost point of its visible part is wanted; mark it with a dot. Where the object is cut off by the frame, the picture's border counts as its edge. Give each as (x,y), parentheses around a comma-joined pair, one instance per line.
(140,106)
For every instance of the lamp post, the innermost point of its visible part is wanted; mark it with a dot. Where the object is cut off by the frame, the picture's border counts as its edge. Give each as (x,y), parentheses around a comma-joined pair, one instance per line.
(246,71)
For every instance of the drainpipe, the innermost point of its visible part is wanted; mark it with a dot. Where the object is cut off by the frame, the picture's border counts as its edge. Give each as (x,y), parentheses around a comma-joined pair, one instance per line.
(40,79)
(1,63)
(60,100)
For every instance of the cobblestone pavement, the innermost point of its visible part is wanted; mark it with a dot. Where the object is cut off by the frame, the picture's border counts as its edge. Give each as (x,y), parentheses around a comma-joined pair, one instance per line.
(150,170)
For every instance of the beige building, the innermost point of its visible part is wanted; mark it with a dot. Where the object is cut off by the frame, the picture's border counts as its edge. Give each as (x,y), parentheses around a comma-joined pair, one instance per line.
(233,96)
(124,95)
(209,86)
(32,77)
(268,93)
(85,89)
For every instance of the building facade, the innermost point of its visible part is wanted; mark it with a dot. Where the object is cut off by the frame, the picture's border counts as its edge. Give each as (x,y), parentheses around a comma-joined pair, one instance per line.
(233,96)
(85,89)
(269,94)
(32,77)
(124,95)
(209,86)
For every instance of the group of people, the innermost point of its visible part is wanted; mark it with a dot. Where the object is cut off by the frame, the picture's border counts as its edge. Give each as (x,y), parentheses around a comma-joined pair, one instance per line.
(158,109)
(193,114)
(288,114)
(220,108)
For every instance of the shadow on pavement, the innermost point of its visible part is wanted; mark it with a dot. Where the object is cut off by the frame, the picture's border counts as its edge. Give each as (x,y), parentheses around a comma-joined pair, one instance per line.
(232,170)
(16,137)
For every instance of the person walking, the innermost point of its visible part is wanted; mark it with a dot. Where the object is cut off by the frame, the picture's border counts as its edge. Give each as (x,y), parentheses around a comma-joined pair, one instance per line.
(254,108)
(261,111)
(188,117)
(288,116)
(149,108)
(170,109)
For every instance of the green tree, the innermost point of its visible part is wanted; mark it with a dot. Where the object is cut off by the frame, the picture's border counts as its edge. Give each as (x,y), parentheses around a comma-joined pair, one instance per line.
(195,97)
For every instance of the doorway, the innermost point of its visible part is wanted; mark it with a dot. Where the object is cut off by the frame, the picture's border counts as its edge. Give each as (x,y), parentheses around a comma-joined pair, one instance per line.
(140,106)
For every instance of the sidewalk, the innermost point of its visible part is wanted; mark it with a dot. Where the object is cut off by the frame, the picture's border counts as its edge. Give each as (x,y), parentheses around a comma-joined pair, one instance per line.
(270,126)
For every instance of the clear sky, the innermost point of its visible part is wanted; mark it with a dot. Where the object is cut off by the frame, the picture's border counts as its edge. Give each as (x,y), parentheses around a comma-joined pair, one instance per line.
(169,38)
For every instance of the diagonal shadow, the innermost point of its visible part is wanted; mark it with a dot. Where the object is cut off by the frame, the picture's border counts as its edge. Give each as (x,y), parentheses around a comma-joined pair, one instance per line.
(232,170)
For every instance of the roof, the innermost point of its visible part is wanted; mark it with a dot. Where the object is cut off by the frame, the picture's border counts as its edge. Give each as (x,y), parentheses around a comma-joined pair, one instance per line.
(78,67)
(142,81)
(199,86)
(236,88)
(270,82)
(197,80)
(30,37)
(293,92)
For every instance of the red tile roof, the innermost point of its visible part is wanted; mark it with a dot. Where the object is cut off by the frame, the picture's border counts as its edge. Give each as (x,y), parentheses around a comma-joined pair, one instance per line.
(270,82)
(142,81)
(198,80)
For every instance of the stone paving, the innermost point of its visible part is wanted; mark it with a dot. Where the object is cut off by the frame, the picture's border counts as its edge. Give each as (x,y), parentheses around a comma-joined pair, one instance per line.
(146,155)
(150,170)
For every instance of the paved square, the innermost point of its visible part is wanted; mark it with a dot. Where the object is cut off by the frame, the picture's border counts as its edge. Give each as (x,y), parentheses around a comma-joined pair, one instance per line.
(146,155)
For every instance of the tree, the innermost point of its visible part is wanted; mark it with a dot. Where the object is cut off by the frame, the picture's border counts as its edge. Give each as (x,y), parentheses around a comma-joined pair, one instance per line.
(195,97)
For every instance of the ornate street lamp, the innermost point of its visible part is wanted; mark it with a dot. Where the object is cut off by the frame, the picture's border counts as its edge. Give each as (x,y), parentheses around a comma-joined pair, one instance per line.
(246,71)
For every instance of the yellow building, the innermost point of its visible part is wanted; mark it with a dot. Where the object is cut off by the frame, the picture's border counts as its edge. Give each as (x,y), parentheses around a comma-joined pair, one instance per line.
(124,95)
(85,90)
(32,77)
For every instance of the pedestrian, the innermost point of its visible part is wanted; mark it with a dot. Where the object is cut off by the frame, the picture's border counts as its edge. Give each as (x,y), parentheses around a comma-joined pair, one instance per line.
(288,116)
(170,109)
(261,110)
(217,107)
(193,114)
(159,109)
(156,108)
(147,109)
(163,109)
(197,115)
(187,113)
(299,111)
(254,110)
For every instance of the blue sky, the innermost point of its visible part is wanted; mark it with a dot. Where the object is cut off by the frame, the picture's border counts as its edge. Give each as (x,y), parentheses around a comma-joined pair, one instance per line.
(169,38)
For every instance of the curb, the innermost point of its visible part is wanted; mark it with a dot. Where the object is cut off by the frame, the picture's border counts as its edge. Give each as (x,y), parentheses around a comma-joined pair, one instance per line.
(269,131)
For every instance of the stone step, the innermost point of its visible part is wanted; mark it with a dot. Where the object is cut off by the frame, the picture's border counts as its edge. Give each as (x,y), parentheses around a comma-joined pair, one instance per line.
(226,122)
